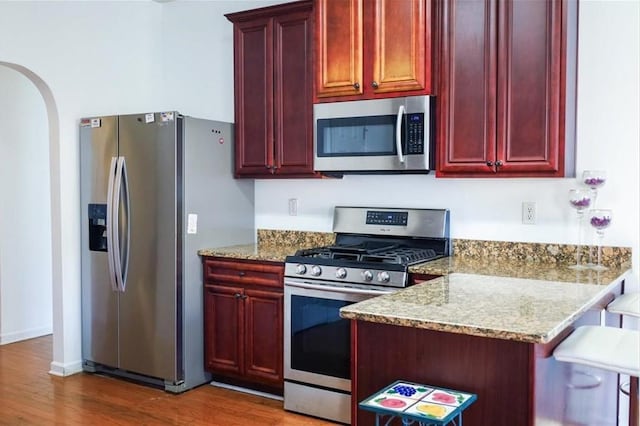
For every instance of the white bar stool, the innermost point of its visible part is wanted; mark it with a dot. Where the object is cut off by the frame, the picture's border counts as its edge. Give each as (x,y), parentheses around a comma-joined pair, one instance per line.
(628,304)
(607,348)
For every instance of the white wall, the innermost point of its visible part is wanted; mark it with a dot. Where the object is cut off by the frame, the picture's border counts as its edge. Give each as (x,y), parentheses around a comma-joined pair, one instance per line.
(197,55)
(25,221)
(118,57)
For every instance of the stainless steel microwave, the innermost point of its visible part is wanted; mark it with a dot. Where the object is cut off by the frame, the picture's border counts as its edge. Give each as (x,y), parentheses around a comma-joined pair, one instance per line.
(382,135)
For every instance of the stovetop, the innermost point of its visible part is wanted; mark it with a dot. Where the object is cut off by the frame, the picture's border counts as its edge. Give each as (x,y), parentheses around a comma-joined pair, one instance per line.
(388,254)
(367,261)
(374,246)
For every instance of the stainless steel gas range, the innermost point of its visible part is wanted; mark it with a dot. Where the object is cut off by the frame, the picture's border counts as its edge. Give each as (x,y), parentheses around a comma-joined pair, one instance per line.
(373,250)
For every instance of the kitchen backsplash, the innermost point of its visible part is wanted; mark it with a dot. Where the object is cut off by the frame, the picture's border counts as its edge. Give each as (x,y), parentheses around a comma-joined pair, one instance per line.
(533,252)
(270,237)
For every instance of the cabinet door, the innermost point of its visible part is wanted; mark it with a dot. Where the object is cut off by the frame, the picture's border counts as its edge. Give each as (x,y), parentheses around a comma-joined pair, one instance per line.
(223,329)
(530,111)
(466,134)
(339,47)
(293,84)
(401,46)
(253,57)
(263,336)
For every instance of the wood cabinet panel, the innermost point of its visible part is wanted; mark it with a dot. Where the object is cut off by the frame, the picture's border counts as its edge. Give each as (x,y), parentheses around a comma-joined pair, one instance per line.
(467,98)
(293,83)
(264,312)
(244,272)
(340,51)
(503,101)
(530,87)
(273,59)
(373,48)
(254,96)
(466,363)
(400,36)
(224,321)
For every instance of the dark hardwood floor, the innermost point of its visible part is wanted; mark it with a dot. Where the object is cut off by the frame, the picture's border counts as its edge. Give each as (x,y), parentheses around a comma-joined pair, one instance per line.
(31,396)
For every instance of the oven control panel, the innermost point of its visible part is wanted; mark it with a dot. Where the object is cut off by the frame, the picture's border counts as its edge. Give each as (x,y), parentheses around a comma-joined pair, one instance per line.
(393,218)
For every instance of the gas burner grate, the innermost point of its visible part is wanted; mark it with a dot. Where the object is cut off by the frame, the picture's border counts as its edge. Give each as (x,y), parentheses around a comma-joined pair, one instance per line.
(390,254)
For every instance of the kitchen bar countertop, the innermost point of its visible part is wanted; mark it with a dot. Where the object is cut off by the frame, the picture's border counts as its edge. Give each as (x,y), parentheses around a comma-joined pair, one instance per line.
(519,309)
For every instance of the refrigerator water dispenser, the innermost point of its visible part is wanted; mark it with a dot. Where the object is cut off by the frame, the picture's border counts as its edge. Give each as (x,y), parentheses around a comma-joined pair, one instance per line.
(98,227)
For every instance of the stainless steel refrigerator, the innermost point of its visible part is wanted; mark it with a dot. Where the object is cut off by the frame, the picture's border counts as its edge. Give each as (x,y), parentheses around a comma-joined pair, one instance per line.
(155,188)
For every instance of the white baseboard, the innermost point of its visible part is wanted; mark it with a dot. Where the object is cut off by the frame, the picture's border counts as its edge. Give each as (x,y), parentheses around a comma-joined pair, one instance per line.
(17,336)
(65,369)
(245,390)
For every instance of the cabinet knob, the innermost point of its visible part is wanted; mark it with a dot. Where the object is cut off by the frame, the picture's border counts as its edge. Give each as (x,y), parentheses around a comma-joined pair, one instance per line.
(490,163)
(356,85)
(237,295)
(498,163)
(374,84)
(244,296)
(241,273)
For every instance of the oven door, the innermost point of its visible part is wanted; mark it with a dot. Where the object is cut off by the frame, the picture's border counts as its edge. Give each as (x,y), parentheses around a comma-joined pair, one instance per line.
(317,342)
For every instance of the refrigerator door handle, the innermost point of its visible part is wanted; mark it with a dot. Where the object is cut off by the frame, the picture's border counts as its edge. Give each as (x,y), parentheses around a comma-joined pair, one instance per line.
(121,253)
(110,227)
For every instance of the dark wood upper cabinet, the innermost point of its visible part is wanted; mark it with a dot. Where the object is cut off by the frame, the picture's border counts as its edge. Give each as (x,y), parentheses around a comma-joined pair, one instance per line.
(372,48)
(273,79)
(507,88)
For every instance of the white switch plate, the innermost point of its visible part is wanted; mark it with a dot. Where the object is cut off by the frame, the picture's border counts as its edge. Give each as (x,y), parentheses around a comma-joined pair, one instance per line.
(192,223)
(528,213)
(293,207)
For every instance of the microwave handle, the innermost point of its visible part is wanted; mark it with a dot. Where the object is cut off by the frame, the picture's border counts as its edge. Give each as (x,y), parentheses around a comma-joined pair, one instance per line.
(399,133)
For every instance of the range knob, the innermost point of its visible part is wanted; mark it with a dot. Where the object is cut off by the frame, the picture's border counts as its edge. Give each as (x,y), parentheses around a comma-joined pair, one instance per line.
(383,277)
(316,271)
(301,269)
(341,273)
(367,275)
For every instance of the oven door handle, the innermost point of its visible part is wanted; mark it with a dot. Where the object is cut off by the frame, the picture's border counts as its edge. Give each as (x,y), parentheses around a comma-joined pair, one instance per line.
(343,290)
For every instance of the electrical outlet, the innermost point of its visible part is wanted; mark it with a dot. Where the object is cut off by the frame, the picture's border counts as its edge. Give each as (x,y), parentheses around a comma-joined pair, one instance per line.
(293,207)
(528,213)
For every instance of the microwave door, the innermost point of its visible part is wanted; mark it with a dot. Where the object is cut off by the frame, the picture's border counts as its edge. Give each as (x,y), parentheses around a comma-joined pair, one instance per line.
(382,135)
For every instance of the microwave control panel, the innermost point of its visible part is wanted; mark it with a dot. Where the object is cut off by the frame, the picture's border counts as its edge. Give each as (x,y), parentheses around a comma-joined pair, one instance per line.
(415,133)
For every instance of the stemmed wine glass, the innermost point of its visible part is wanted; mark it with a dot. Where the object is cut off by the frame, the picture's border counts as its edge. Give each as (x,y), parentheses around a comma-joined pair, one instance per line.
(600,219)
(594,179)
(580,199)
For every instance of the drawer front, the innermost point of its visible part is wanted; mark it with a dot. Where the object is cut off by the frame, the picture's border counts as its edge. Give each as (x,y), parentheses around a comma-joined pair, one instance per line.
(246,272)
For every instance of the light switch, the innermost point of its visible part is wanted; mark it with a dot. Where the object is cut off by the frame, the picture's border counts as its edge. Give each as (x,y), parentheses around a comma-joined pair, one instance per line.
(192,223)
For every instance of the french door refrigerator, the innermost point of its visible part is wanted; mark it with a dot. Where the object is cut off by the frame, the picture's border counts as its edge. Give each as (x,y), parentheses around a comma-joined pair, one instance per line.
(155,188)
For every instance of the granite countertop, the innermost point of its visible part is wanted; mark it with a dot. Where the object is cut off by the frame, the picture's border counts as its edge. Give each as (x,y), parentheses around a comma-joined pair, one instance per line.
(518,268)
(520,309)
(515,291)
(262,252)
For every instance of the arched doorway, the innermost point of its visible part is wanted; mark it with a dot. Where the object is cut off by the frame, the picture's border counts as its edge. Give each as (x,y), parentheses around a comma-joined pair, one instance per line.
(52,207)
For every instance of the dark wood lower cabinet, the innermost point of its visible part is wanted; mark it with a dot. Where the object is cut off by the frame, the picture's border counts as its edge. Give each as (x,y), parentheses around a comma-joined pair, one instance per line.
(517,383)
(243,309)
